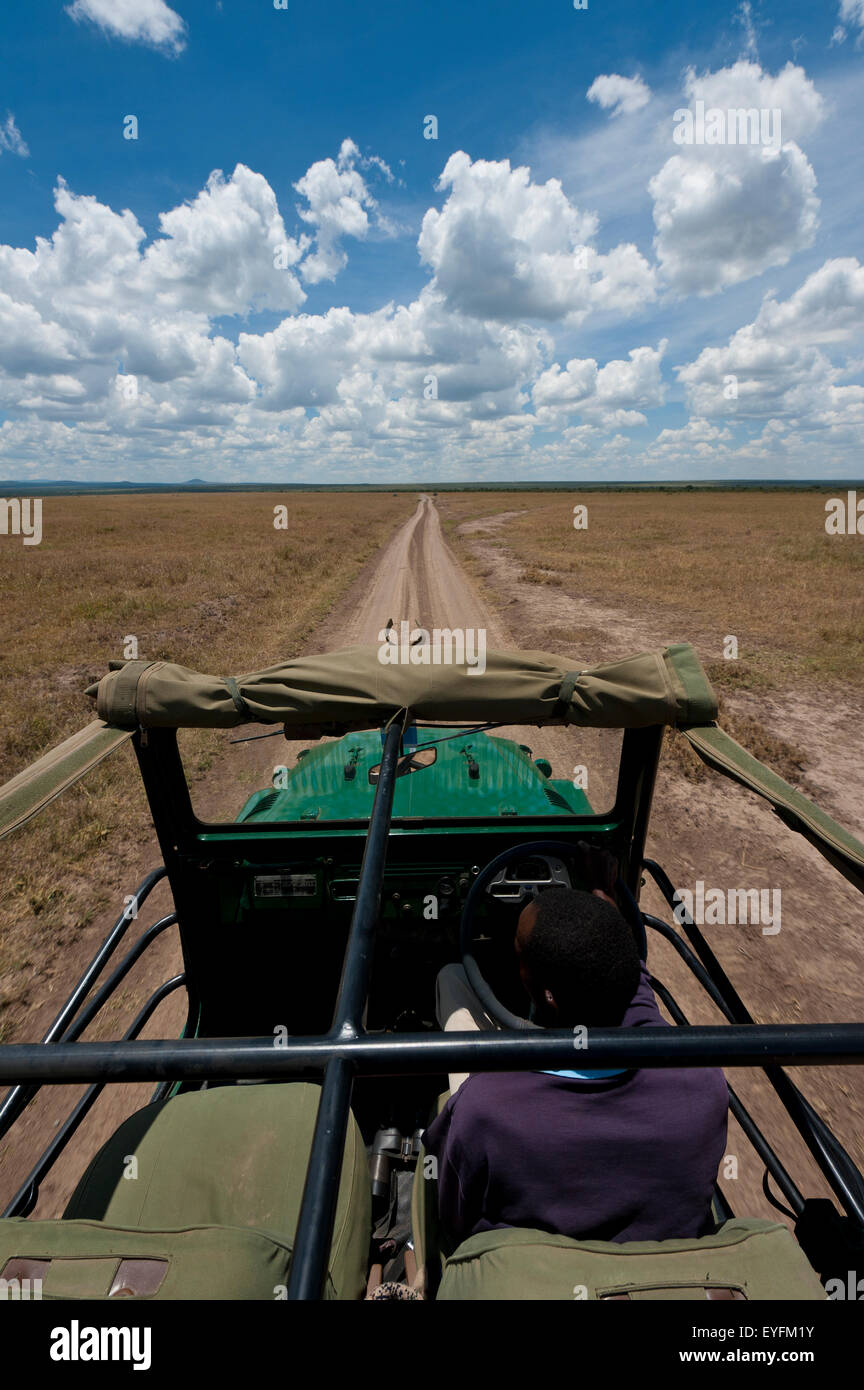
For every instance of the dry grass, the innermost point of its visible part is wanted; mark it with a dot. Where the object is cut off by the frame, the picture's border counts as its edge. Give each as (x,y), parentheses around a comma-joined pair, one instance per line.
(757,565)
(203,580)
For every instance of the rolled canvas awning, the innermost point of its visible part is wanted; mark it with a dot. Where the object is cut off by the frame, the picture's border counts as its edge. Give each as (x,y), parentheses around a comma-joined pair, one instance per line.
(353,689)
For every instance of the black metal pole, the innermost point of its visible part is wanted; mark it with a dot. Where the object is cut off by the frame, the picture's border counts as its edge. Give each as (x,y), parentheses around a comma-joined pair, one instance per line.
(317,1211)
(736,1008)
(103,994)
(311,1253)
(836,1164)
(357,965)
(419,1054)
(19,1097)
(645,745)
(27,1195)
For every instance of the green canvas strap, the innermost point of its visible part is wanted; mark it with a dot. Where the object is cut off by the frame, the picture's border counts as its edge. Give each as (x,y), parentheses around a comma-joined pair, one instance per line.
(239,703)
(124,692)
(565,694)
(719,751)
(686,671)
(60,768)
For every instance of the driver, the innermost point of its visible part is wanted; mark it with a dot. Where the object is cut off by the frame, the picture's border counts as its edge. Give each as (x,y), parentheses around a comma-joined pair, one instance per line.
(617,1155)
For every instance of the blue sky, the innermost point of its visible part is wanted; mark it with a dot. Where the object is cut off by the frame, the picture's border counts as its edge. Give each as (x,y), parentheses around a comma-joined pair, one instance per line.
(578,296)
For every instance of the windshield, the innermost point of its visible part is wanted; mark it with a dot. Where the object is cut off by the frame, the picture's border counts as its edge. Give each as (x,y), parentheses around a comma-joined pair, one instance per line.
(445,773)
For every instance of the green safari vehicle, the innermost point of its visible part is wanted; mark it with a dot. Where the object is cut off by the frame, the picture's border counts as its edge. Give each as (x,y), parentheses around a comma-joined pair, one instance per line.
(282,1147)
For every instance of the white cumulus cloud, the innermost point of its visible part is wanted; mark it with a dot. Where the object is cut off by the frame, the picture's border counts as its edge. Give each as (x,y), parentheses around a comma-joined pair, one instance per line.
(504,247)
(339,204)
(226,251)
(725,212)
(109,351)
(697,441)
(777,367)
(620,95)
(150,22)
(613,394)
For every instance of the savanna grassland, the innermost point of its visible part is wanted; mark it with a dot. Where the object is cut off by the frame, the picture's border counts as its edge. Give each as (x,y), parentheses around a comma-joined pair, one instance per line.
(206,581)
(758,565)
(696,566)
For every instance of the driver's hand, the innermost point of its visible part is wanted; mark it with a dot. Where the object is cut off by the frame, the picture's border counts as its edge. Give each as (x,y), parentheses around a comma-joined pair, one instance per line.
(599,871)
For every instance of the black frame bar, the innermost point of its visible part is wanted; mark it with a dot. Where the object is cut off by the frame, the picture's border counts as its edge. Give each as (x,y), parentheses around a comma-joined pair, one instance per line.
(20,1096)
(398,1054)
(310,1256)
(835,1163)
(27,1195)
(348,1051)
(103,994)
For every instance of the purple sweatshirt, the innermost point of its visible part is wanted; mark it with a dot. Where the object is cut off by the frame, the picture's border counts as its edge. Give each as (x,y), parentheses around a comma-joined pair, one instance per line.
(630,1157)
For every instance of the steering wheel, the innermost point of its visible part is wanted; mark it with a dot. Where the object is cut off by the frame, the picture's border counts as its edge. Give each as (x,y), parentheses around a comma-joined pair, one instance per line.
(495,880)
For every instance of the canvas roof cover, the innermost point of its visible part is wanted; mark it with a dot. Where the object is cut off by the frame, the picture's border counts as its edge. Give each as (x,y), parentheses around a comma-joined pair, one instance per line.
(354,688)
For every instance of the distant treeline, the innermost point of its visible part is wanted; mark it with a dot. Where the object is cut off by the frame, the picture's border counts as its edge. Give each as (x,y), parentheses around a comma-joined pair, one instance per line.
(67,487)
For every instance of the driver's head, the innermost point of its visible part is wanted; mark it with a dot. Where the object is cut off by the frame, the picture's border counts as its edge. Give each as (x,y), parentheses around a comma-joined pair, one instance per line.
(577,958)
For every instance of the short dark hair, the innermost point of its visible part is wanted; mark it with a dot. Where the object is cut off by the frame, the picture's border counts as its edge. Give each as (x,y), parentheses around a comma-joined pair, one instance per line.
(582,950)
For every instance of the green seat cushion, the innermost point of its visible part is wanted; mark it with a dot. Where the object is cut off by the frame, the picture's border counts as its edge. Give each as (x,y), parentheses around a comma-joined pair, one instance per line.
(753,1259)
(230,1157)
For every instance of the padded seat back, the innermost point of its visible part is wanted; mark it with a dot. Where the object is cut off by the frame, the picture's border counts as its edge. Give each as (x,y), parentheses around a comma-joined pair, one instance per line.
(211,1182)
(743,1259)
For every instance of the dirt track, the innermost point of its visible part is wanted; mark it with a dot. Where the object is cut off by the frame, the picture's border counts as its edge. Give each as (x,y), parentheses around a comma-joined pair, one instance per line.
(809,971)
(415,578)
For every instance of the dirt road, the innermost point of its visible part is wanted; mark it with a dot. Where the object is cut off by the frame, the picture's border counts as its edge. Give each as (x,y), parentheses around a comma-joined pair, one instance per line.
(415,578)
(809,971)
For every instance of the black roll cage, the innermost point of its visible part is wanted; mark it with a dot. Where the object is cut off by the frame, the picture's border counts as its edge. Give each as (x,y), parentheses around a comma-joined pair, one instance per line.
(347,1050)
